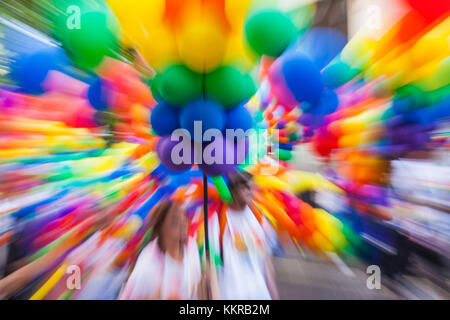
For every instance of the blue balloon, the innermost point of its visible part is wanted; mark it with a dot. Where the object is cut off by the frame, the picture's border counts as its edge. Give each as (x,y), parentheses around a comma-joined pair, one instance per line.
(303,78)
(286,146)
(164,119)
(97,95)
(210,114)
(328,103)
(403,104)
(31,70)
(431,114)
(239,118)
(321,45)
(148,205)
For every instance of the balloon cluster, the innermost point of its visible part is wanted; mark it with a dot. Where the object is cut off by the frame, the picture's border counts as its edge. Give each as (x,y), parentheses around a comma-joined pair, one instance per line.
(285,131)
(117,92)
(394,101)
(316,229)
(206,81)
(88,30)
(392,96)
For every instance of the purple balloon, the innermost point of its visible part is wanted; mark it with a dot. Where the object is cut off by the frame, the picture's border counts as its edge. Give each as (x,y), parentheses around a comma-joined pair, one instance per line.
(230,155)
(164,149)
(307,119)
(281,124)
(159,145)
(419,139)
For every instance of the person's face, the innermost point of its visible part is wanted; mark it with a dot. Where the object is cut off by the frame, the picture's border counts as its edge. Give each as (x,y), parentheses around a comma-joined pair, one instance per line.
(175,226)
(243,195)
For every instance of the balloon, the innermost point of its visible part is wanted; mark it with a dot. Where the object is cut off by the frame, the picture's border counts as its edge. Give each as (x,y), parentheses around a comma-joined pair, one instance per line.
(320,45)
(222,155)
(98,94)
(279,88)
(136,90)
(164,119)
(160,49)
(337,73)
(269,32)
(209,114)
(31,70)
(137,16)
(96,38)
(430,10)
(239,118)
(177,12)
(175,159)
(308,119)
(302,78)
(153,83)
(239,54)
(324,142)
(179,85)
(284,154)
(235,11)
(222,189)
(328,103)
(229,87)
(202,45)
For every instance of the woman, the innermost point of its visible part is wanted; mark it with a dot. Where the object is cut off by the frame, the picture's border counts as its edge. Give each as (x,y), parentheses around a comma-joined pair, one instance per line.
(169,266)
(247,270)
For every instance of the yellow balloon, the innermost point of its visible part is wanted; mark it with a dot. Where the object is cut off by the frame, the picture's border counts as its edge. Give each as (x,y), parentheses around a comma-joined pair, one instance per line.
(270,182)
(239,54)
(160,49)
(322,243)
(202,45)
(428,49)
(132,12)
(292,127)
(236,11)
(350,141)
(137,17)
(352,125)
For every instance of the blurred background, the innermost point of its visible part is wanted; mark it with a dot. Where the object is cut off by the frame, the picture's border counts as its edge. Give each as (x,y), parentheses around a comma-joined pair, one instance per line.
(390,190)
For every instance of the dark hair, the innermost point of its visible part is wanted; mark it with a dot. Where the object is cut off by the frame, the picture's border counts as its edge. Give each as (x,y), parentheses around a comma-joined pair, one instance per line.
(238,180)
(158,216)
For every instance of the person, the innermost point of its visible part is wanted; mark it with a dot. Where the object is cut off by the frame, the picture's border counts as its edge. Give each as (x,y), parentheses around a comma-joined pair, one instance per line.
(247,271)
(169,267)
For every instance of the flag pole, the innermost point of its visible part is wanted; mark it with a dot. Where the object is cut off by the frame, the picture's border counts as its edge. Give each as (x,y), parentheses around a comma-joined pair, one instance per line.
(205,213)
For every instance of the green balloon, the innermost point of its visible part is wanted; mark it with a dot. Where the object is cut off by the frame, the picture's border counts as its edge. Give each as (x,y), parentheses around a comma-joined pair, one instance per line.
(222,189)
(153,84)
(229,86)
(95,38)
(435,96)
(293,137)
(352,237)
(179,85)
(269,32)
(284,155)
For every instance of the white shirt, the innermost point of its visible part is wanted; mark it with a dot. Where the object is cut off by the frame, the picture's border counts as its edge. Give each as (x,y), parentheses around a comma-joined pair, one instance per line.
(244,252)
(158,275)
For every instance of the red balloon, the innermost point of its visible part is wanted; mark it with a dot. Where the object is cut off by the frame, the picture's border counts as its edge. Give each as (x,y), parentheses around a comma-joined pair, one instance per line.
(324,142)
(430,10)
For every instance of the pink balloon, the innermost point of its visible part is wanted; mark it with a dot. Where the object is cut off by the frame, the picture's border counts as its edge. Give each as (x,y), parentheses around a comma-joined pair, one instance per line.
(279,89)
